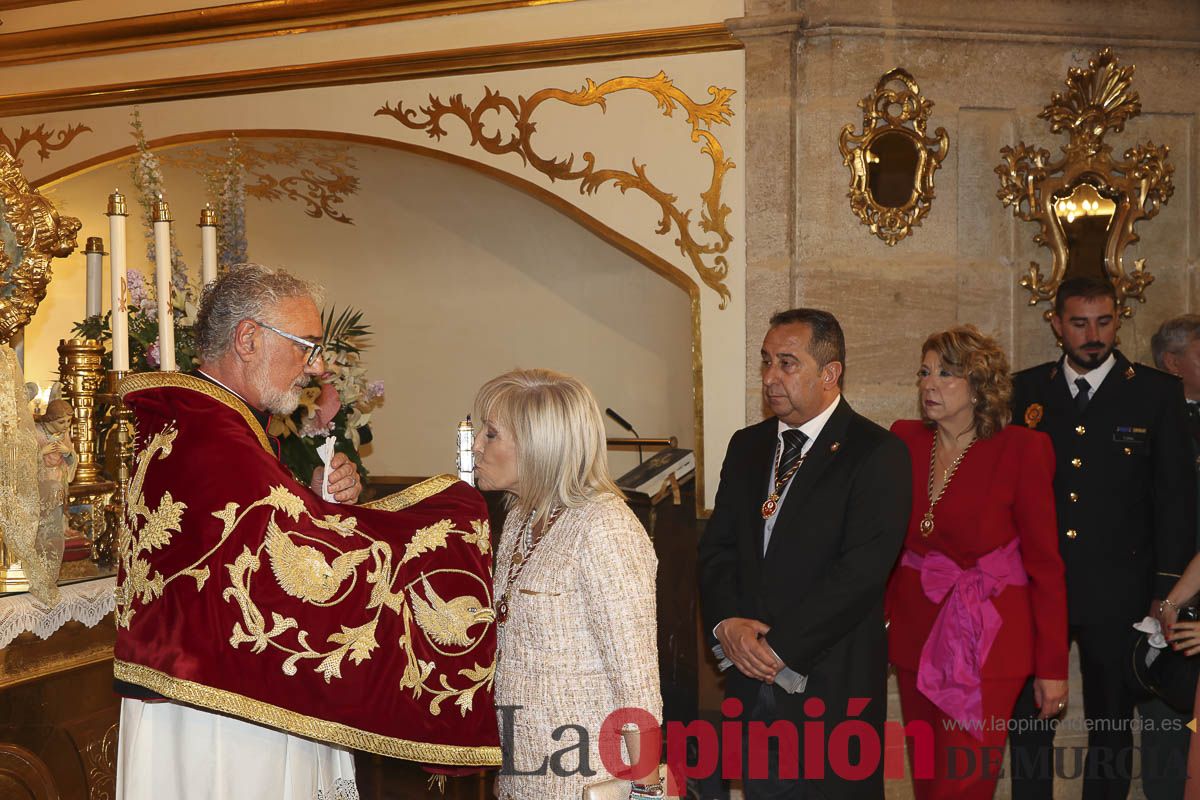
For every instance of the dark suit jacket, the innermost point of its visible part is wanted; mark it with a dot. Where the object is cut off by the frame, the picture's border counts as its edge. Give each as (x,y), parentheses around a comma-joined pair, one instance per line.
(1124,485)
(821,584)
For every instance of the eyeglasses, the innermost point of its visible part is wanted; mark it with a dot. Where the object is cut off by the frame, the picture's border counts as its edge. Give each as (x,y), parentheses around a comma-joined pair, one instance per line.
(313,348)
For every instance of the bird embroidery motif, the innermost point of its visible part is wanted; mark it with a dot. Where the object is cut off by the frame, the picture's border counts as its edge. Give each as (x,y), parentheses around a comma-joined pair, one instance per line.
(303,572)
(446,622)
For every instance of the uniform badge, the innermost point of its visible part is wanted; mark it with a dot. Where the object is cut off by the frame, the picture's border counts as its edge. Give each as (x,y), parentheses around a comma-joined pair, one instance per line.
(1033,415)
(1129,373)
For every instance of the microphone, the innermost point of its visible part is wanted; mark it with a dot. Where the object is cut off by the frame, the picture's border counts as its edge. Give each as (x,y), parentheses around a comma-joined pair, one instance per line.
(617,418)
(624,423)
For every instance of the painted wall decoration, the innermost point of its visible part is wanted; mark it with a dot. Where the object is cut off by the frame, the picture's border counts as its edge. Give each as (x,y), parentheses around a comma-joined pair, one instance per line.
(706,253)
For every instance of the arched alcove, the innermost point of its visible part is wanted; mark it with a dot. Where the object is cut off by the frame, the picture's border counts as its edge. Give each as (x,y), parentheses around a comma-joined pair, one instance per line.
(462,275)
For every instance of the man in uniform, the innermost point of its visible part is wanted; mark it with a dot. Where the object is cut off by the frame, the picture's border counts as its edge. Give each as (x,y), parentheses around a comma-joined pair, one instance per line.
(1126,517)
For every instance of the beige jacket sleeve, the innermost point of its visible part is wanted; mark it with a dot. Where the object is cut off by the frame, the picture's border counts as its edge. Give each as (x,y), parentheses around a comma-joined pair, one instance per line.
(618,569)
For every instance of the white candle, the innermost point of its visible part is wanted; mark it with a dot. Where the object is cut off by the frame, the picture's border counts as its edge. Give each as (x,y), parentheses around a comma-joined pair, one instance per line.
(120,292)
(208,245)
(162,274)
(94,255)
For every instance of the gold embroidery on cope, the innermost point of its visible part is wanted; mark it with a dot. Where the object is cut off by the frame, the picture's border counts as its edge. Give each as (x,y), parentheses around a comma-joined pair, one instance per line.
(321,574)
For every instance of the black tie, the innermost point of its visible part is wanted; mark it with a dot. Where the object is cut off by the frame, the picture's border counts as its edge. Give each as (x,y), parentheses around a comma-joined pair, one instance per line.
(793,445)
(1081,399)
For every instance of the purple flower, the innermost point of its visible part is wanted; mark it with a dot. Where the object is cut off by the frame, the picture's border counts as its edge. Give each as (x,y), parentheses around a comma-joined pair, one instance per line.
(152,354)
(374,390)
(137,286)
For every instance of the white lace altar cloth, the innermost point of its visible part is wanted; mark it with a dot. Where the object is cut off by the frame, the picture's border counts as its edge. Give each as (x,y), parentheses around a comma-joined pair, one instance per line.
(87,602)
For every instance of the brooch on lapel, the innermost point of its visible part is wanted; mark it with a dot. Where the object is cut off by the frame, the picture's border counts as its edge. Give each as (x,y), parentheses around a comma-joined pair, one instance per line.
(833,448)
(1129,373)
(1033,415)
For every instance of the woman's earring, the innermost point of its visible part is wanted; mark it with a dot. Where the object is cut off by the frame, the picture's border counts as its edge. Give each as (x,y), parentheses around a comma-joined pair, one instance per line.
(974,400)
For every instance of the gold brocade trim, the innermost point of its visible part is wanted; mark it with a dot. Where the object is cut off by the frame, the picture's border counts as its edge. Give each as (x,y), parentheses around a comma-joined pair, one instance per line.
(237,705)
(413,494)
(153,380)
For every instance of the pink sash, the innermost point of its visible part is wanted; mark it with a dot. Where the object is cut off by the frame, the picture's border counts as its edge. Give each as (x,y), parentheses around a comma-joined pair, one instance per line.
(965,628)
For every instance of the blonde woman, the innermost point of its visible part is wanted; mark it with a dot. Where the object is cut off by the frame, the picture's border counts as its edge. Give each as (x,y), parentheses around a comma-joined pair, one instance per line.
(574,591)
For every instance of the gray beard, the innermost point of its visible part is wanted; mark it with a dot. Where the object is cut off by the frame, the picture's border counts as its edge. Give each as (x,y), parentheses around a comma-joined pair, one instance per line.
(278,401)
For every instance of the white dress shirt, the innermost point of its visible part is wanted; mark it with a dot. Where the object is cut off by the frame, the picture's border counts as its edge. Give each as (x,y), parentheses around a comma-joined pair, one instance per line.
(1094,378)
(811,429)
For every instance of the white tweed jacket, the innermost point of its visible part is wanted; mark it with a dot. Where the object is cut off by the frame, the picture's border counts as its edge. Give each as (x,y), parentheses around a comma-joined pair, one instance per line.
(579,643)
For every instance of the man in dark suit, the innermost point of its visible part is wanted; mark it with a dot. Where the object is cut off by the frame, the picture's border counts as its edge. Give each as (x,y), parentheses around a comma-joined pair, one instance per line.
(1126,506)
(810,515)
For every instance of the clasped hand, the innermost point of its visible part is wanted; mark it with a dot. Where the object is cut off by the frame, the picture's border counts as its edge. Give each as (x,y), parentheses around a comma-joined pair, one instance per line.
(344,483)
(744,645)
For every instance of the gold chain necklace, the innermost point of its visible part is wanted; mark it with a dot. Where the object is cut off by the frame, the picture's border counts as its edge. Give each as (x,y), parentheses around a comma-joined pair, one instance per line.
(771,504)
(519,559)
(927,521)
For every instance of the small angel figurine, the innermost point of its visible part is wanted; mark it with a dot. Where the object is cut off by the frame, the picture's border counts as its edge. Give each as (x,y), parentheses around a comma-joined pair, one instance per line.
(55,471)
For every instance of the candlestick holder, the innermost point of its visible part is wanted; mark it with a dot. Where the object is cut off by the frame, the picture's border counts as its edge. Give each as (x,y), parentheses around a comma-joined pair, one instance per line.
(208,216)
(82,375)
(162,211)
(116,204)
(106,543)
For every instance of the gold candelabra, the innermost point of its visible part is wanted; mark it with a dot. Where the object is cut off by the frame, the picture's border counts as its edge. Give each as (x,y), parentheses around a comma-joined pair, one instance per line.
(82,374)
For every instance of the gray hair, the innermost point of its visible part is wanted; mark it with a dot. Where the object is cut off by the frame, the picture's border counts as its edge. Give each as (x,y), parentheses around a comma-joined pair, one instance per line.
(245,291)
(1173,336)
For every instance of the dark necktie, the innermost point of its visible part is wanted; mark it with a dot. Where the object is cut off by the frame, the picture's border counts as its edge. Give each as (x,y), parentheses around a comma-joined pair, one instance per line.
(1081,399)
(793,445)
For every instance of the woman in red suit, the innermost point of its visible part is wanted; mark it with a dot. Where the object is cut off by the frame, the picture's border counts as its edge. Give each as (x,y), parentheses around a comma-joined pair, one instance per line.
(980,556)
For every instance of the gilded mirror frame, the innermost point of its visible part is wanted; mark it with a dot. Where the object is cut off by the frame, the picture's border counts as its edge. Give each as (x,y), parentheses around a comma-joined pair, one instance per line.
(895,107)
(1098,100)
(33,233)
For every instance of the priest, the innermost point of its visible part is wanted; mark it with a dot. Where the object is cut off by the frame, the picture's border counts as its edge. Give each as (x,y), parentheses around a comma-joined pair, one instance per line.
(263,632)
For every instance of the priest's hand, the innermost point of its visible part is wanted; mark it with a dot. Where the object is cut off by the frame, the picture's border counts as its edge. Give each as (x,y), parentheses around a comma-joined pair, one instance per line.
(344,483)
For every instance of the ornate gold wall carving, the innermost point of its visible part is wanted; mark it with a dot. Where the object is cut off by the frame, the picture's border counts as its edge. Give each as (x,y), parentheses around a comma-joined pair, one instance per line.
(318,175)
(1098,100)
(892,219)
(48,141)
(32,233)
(708,256)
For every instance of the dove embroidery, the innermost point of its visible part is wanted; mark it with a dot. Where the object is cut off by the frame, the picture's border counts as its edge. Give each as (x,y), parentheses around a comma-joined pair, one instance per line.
(447,621)
(303,572)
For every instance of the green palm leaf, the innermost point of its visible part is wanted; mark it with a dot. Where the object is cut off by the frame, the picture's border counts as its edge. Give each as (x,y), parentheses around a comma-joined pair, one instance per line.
(344,331)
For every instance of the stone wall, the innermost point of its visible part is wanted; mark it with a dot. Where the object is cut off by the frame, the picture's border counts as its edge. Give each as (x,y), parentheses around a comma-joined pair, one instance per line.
(989,69)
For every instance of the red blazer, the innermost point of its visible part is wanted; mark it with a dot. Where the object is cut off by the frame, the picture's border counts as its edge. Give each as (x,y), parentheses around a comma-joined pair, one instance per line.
(1003,490)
